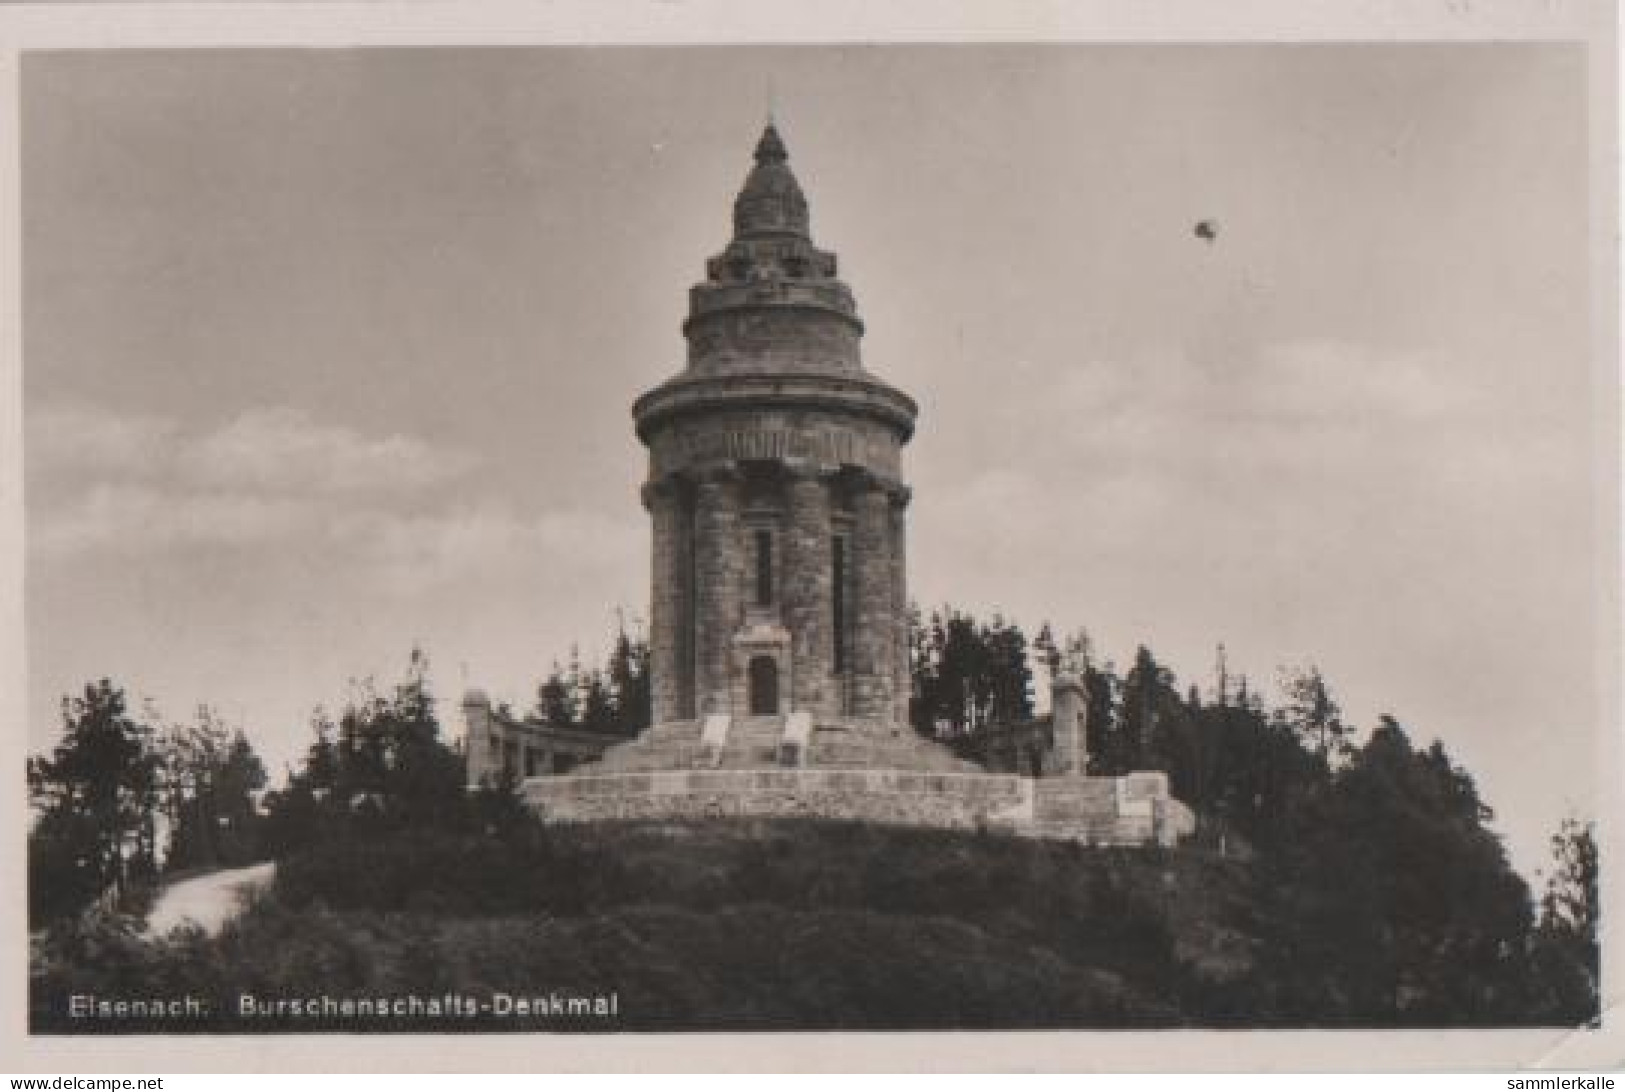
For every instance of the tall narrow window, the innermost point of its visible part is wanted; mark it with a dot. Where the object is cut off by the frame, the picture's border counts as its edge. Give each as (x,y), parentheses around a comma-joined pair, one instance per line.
(688,643)
(837,589)
(764,568)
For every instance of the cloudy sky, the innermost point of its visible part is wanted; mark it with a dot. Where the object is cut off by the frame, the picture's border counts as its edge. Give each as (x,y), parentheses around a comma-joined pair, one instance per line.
(328,353)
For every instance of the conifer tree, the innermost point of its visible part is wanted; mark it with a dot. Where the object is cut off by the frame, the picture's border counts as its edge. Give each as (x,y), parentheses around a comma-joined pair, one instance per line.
(1313,715)
(629,683)
(96,798)
(213,774)
(553,700)
(597,703)
(1565,944)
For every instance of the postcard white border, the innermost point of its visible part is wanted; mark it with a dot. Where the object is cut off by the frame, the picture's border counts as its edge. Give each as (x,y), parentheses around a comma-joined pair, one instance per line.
(681,22)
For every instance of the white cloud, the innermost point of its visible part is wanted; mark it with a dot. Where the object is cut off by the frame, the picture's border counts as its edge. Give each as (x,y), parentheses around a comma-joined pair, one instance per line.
(394,553)
(283,449)
(128,518)
(269,449)
(103,480)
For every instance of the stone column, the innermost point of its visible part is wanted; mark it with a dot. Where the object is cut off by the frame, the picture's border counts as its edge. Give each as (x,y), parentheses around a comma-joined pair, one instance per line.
(873,627)
(719,577)
(807,589)
(1069,711)
(671,652)
(481,765)
(902,683)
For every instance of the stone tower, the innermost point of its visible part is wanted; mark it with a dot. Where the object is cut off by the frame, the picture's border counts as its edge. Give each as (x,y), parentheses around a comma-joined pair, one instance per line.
(778,624)
(775,486)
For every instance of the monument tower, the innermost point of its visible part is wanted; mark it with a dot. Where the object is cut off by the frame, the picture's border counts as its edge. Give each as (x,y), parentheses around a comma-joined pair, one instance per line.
(778,629)
(775,486)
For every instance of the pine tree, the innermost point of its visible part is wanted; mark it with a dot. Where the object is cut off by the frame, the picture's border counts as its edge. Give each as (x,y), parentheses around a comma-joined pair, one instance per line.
(1010,682)
(240,776)
(629,684)
(553,701)
(1313,715)
(1146,692)
(1565,944)
(597,703)
(97,799)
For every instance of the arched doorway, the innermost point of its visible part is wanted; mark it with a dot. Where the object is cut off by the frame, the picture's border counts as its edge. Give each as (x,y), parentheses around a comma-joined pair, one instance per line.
(764,686)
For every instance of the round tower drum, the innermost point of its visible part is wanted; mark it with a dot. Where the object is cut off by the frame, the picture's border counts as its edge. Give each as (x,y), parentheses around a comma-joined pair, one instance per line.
(775,486)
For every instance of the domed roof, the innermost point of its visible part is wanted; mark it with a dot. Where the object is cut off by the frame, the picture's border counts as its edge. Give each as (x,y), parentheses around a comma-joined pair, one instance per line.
(771,201)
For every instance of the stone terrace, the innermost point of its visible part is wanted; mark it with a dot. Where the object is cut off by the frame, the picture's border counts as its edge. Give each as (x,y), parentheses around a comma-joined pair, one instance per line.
(854,770)
(754,743)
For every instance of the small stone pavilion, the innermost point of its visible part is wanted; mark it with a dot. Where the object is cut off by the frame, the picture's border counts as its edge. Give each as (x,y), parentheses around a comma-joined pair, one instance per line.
(778,615)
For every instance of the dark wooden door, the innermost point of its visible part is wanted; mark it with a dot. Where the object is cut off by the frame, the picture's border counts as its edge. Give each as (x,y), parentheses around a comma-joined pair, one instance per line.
(764,687)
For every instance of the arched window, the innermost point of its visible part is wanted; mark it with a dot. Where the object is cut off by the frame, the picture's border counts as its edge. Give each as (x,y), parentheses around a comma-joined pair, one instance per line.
(764,687)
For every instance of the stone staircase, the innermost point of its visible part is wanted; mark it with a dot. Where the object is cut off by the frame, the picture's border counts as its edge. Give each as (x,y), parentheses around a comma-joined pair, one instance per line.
(753,743)
(860,745)
(674,745)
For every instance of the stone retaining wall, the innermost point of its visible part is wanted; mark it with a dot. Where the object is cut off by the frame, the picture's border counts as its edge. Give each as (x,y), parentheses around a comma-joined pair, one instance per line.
(1094,810)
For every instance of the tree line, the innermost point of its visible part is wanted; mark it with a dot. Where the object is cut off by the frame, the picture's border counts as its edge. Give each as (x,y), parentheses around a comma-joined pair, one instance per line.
(1382,892)
(1385,896)
(124,802)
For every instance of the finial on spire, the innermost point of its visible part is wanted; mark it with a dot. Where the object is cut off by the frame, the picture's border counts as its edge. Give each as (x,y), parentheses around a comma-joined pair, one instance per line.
(771,200)
(770,149)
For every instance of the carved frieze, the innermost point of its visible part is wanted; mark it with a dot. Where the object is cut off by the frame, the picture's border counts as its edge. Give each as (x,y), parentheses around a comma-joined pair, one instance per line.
(823,444)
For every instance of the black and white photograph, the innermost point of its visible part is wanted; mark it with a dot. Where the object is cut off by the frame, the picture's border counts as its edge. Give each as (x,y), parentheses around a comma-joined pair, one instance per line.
(537,540)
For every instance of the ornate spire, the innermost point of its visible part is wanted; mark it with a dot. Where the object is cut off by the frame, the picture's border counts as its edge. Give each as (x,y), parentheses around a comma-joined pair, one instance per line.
(770,149)
(771,301)
(771,202)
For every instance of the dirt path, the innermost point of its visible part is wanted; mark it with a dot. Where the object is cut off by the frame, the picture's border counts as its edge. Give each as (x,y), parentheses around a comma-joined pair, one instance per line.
(208,901)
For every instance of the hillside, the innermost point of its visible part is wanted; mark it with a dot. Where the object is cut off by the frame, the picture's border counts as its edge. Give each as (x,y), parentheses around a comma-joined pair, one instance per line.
(749,925)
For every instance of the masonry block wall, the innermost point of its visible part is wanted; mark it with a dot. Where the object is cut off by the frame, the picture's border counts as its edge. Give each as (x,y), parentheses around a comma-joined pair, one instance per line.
(1094,810)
